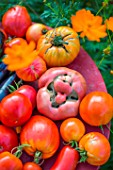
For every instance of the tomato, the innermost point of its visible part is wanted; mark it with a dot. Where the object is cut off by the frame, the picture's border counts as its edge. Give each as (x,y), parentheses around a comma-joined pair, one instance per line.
(96,108)
(60,92)
(15,109)
(8,139)
(95,147)
(16,21)
(43,136)
(31,166)
(72,129)
(35,31)
(10,162)
(33,71)
(29,92)
(14,41)
(59,47)
(67,159)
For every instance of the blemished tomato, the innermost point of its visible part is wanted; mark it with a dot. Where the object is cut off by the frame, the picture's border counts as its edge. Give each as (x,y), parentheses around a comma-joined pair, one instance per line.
(15,109)
(59,46)
(43,136)
(67,159)
(35,31)
(31,166)
(9,161)
(96,108)
(8,138)
(16,21)
(72,129)
(97,148)
(14,41)
(29,92)
(33,71)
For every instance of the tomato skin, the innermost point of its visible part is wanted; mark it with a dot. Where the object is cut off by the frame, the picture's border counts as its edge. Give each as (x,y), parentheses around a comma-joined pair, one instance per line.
(67,159)
(33,71)
(35,31)
(31,166)
(42,134)
(16,20)
(96,108)
(59,46)
(8,139)
(15,109)
(14,41)
(10,162)
(72,129)
(29,92)
(97,147)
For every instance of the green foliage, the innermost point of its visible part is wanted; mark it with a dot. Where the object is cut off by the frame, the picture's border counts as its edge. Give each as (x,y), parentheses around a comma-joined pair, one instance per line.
(58,12)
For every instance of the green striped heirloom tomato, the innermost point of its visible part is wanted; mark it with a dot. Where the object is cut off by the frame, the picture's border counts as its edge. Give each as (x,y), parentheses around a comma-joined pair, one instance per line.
(60,92)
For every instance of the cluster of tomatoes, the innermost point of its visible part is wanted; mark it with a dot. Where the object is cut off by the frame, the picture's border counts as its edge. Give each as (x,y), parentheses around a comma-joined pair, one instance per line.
(40,122)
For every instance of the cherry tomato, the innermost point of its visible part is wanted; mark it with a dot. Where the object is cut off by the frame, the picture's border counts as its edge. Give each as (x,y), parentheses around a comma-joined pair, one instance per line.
(96,108)
(8,139)
(15,109)
(95,147)
(31,166)
(42,134)
(72,129)
(29,92)
(67,159)
(10,162)
(14,41)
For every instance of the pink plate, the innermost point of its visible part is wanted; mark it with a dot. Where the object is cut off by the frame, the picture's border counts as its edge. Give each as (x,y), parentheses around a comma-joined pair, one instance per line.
(86,66)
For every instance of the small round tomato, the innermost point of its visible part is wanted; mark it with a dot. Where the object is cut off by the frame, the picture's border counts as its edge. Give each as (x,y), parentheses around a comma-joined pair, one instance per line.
(33,71)
(96,108)
(8,138)
(72,129)
(42,135)
(35,31)
(29,92)
(95,147)
(15,109)
(31,166)
(14,41)
(9,161)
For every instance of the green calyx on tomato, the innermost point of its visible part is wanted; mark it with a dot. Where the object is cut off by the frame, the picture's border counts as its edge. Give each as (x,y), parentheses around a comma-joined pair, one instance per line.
(58,41)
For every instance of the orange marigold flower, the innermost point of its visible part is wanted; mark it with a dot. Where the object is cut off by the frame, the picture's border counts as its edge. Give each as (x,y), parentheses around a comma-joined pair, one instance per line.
(89,25)
(19,56)
(109,23)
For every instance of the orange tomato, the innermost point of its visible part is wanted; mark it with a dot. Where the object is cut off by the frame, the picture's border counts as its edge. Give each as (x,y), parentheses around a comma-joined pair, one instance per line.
(96,108)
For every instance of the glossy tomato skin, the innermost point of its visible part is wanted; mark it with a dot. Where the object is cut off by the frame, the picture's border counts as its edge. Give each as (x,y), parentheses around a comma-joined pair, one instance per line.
(10,162)
(8,139)
(35,31)
(97,148)
(15,109)
(59,46)
(29,92)
(31,166)
(42,134)
(67,159)
(16,21)
(33,71)
(13,41)
(96,108)
(72,129)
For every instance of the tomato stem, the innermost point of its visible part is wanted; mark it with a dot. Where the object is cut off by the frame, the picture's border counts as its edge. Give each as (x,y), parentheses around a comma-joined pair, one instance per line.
(37,156)
(58,41)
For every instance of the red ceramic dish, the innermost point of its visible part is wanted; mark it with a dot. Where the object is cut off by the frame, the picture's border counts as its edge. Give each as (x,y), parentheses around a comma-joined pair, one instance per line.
(86,66)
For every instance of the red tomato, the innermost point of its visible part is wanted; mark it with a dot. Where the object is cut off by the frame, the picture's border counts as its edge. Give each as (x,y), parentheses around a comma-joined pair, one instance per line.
(16,21)
(33,71)
(15,109)
(72,129)
(35,31)
(8,139)
(31,166)
(96,108)
(29,92)
(10,162)
(66,160)
(96,148)
(14,41)
(43,136)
